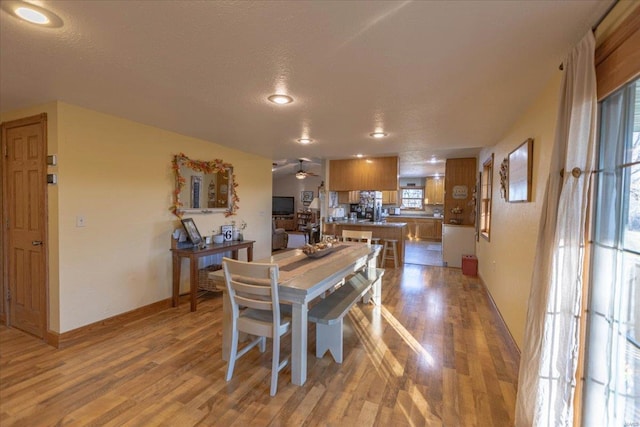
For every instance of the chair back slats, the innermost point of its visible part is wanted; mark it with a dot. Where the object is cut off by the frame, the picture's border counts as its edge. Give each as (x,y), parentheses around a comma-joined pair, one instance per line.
(252,285)
(243,301)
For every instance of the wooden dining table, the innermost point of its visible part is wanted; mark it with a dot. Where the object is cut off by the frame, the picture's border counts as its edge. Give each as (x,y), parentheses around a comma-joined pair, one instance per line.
(301,280)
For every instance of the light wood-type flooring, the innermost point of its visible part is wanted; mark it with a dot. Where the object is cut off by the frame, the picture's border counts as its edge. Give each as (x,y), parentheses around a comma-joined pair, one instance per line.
(434,354)
(423,252)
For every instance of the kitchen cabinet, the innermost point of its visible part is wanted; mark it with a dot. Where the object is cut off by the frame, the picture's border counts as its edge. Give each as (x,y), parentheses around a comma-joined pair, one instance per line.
(376,173)
(390,197)
(459,185)
(424,229)
(434,191)
(438,230)
(348,197)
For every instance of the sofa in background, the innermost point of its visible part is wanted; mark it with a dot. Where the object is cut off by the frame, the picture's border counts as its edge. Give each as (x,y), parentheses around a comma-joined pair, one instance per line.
(279,237)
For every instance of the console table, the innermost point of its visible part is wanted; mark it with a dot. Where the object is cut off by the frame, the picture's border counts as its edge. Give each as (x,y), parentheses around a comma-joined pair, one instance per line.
(194,254)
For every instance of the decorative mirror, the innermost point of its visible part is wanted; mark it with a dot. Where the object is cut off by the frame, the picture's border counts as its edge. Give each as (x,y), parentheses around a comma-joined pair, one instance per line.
(203,187)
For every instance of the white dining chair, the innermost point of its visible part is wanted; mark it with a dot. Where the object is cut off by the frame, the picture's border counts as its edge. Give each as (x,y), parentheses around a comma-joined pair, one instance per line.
(255,309)
(357,236)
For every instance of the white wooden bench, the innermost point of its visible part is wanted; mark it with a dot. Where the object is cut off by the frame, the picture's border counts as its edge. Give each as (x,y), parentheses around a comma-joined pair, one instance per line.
(329,312)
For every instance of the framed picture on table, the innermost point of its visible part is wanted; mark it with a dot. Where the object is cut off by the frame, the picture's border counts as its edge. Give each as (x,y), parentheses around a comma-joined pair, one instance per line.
(192,231)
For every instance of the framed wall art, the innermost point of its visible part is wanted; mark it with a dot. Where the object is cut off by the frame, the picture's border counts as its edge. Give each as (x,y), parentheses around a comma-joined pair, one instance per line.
(307,196)
(519,173)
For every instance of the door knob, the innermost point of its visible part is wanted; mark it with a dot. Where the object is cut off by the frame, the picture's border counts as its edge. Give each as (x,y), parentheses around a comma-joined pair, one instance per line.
(36,243)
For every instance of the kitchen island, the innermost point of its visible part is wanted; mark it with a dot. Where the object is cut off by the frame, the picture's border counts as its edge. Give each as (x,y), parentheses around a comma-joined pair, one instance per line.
(420,227)
(381,230)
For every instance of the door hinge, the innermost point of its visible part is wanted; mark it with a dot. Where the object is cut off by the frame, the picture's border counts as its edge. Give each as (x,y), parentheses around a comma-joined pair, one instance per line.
(4,150)
(8,294)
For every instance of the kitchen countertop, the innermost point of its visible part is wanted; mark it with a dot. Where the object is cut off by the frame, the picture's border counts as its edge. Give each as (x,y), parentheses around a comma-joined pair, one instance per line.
(368,223)
(415,216)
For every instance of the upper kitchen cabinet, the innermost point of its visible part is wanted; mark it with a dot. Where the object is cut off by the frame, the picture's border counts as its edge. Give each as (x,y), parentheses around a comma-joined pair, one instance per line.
(390,197)
(434,191)
(378,173)
(348,197)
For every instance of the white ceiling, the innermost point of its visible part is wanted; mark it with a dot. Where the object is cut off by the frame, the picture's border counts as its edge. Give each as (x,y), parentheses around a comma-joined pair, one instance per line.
(442,78)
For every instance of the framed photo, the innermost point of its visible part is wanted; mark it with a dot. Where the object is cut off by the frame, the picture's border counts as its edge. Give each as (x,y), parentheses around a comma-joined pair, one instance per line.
(307,196)
(519,172)
(192,231)
(227,232)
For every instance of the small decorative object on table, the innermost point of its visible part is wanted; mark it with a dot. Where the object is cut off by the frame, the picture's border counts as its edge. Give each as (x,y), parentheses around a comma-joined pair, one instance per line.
(319,249)
(227,232)
(237,230)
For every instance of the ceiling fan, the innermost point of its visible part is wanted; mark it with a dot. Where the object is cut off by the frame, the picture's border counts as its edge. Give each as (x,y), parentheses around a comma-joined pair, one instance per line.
(302,174)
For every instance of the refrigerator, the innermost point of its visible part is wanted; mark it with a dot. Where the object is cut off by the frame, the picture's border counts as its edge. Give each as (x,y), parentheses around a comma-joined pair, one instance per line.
(370,206)
(457,240)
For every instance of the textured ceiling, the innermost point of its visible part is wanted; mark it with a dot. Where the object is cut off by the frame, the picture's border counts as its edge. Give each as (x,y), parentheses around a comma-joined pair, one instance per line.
(442,78)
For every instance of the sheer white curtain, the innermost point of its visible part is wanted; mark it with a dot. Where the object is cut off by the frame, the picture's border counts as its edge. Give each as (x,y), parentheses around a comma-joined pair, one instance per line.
(549,356)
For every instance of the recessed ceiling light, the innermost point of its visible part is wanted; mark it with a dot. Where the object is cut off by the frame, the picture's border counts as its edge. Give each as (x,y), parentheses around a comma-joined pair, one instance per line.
(305,140)
(359,155)
(433,160)
(280,99)
(31,13)
(378,134)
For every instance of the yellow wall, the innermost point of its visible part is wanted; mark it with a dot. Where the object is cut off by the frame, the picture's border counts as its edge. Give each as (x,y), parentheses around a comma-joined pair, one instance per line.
(505,263)
(117,175)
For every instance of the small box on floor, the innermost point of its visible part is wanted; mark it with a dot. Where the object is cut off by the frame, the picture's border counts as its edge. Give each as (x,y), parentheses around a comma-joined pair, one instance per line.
(469,265)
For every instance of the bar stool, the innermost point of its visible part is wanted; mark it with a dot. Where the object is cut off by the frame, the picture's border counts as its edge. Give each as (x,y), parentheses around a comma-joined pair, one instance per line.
(376,241)
(390,251)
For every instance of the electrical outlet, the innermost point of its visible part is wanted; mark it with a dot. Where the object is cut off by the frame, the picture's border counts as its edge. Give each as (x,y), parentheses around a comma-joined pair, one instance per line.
(80,221)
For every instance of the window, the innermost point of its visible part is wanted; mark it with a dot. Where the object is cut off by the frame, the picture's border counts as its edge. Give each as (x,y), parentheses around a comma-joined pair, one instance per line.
(612,373)
(412,197)
(485,197)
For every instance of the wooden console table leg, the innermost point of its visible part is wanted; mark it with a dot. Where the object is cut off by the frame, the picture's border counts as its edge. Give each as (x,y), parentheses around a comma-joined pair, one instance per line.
(176,280)
(249,253)
(234,254)
(193,264)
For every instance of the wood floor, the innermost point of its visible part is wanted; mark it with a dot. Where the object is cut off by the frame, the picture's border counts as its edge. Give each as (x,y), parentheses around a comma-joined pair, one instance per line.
(434,354)
(423,252)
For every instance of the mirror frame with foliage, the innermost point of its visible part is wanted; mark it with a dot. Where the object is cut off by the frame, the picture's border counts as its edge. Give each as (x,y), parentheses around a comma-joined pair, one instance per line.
(212,167)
